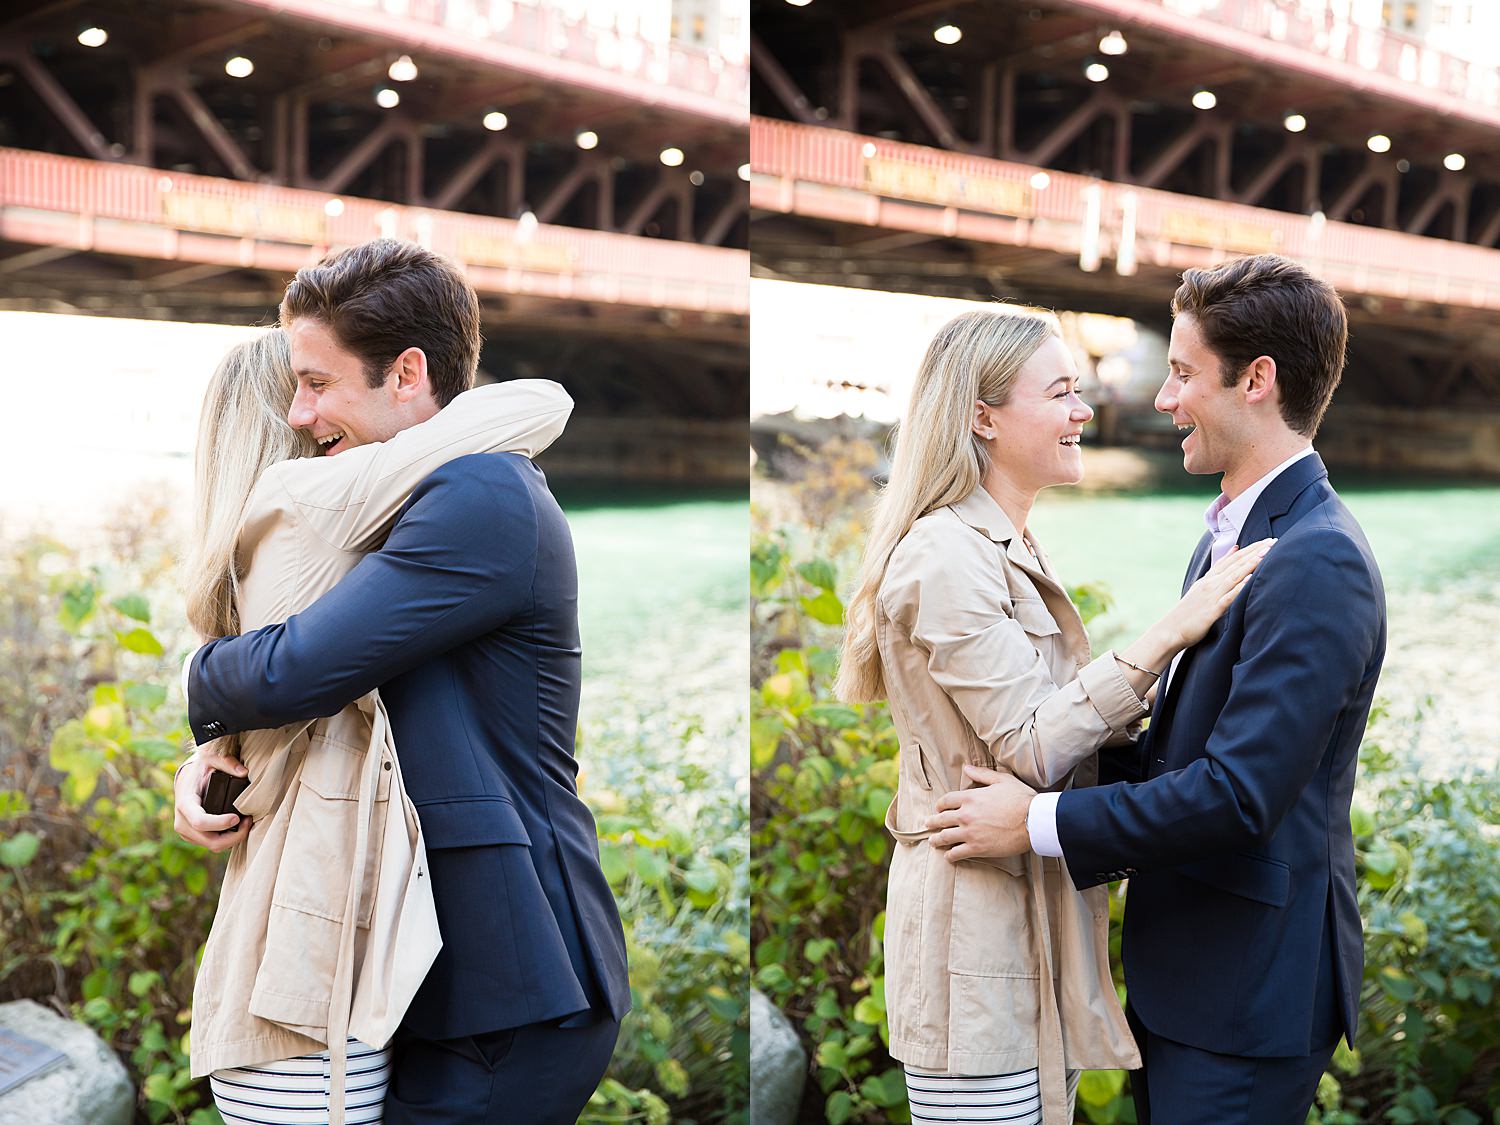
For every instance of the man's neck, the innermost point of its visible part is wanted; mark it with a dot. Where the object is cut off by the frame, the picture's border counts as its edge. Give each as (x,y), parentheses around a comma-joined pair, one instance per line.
(1259,459)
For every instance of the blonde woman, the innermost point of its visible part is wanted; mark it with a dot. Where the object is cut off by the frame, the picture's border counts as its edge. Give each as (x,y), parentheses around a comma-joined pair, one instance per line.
(325,925)
(998,987)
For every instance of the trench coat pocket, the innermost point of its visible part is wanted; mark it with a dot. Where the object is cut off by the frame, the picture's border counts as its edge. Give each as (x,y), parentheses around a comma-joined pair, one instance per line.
(321,833)
(992,921)
(1033,615)
(471,822)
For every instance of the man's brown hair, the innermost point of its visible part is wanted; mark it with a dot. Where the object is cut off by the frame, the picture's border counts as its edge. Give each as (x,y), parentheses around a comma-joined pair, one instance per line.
(1269,305)
(384,296)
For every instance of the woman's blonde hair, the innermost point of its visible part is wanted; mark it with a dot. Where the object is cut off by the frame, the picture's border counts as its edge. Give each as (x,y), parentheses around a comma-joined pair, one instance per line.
(939,459)
(242,431)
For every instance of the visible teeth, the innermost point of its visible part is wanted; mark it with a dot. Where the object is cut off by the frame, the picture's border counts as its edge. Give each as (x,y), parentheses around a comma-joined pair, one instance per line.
(1186,426)
(330,439)
(1073,440)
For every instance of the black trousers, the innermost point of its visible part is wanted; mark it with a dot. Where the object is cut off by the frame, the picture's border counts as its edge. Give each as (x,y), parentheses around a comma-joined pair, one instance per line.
(539,1074)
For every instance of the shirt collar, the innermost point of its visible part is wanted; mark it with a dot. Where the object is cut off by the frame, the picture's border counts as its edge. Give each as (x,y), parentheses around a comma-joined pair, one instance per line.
(1225,515)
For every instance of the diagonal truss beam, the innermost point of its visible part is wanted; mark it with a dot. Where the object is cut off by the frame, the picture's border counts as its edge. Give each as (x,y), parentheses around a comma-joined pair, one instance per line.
(1178,150)
(472,170)
(917,96)
(59,101)
(792,99)
(210,128)
(723,221)
(1068,129)
(358,158)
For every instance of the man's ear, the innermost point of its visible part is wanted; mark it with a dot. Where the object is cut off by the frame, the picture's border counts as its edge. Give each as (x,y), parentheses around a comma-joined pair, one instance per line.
(410,369)
(1260,377)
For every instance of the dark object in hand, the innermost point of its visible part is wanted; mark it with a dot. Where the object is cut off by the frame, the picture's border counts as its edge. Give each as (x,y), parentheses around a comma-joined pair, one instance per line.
(223,788)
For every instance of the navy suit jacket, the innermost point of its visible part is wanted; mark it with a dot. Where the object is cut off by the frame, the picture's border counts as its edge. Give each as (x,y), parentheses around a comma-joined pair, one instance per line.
(467,622)
(1237,843)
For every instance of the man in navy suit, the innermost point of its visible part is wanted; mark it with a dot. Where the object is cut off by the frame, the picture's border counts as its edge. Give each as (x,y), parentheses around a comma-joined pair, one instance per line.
(467,622)
(1242,944)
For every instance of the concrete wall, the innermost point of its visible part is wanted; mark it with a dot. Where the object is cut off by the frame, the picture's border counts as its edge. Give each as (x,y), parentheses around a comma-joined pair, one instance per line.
(689,451)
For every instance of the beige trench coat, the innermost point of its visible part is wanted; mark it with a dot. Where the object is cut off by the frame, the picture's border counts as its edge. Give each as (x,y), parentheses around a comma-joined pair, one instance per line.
(282,974)
(1002,965)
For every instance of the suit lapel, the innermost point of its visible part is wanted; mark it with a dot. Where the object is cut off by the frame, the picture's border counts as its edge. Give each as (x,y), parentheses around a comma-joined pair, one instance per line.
(1279,497)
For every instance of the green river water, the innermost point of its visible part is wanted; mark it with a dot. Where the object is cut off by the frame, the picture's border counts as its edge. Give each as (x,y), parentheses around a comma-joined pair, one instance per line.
(1438,546)
(664,607)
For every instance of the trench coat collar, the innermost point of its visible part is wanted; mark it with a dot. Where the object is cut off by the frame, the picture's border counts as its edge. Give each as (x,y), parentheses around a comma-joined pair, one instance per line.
(981,512)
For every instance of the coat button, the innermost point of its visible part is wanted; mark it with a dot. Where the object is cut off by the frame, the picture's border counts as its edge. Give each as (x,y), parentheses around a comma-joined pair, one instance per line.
(387,765)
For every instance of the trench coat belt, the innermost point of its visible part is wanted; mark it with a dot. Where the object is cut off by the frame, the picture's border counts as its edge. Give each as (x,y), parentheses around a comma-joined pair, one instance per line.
(341,999)
(1051,1063)
(1052,1074)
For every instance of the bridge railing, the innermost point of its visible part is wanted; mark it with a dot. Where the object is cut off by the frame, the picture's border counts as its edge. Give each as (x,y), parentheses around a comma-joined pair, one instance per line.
(554,42)
(124,209)
(1367,57)
(913,187)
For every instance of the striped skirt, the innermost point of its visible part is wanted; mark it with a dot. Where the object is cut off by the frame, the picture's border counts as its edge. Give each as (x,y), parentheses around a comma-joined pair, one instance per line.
(295,1091)
(1010,1099)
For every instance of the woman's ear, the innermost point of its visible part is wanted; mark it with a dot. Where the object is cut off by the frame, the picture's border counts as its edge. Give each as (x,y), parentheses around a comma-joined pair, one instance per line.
(983,423)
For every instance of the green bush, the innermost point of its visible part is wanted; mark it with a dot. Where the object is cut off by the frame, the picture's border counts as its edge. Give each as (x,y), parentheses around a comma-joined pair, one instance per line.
(105,910)
(823,772)
(672,839)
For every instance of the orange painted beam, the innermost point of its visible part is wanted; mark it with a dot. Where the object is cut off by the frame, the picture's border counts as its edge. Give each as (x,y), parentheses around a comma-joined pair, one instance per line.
(142,212)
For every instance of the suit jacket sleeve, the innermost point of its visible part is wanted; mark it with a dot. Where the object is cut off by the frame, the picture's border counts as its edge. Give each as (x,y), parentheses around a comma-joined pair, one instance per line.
(459,563)
(351,500)
(1311,626)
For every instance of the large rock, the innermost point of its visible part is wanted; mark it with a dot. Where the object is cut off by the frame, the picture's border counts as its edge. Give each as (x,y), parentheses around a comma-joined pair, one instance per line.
(91,1086)
(778,1065)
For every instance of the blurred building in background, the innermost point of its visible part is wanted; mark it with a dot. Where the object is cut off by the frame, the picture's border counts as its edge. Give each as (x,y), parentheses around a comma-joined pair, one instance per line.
(585,162)
(1079,154)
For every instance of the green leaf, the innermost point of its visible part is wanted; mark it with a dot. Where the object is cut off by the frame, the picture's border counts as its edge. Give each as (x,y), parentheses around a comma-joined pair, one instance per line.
(1361,821)
(612,860)
(13,803)
(133,606)
(818,948)
(1100,1087)
(651,867)
(832,1055)
(143,982)
(195,879)
(819,573)
(838,716)
(144,697)
(142,641)
(766,561)
(1397,984)
(77,605)
(158,1088)
(869,1011)
(874,846)
(826,608)
(20,849)
(838,1108)
(765,737)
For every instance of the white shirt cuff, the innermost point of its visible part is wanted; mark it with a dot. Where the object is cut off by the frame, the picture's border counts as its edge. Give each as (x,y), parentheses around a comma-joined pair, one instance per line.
(187,666)
(1041,825)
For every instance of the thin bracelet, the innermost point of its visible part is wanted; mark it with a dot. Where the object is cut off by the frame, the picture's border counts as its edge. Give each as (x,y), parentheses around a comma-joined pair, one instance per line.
(1137,667)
